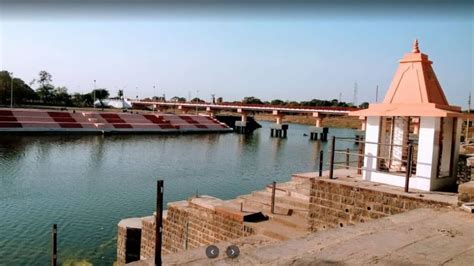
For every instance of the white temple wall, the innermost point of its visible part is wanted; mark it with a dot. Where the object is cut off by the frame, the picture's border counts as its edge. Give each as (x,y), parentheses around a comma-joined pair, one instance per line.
(372,133)
(426,165)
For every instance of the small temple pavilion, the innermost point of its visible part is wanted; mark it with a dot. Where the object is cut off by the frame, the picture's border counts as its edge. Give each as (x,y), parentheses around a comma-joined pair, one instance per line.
(416,113)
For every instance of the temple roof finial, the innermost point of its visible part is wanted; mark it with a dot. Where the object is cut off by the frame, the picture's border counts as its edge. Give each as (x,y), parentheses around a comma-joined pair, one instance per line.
(415,49)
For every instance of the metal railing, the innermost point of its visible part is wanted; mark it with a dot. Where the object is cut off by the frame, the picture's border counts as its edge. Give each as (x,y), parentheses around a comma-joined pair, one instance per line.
(407,152)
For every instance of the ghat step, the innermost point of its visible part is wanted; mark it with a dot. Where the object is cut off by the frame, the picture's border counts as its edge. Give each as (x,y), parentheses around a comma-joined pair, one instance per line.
(276,230)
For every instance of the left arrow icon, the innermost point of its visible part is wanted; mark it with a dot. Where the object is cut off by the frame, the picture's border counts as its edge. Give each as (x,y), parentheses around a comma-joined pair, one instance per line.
(212,251)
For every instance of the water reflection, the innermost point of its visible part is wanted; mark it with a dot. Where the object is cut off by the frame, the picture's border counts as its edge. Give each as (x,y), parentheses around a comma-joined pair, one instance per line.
(88,183)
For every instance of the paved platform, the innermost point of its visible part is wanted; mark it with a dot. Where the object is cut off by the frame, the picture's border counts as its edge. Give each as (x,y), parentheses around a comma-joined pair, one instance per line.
(418,237)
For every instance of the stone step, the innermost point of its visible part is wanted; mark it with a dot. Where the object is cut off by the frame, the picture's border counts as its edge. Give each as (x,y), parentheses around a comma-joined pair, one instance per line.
(299,193)
(264,204)
(302,179)
(252,203)
(282,198)
(293,221)
(276,230)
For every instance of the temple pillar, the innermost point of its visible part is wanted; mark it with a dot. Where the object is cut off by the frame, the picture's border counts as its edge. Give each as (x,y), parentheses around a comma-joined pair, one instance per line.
(400,141)
(416,125)
(360,134)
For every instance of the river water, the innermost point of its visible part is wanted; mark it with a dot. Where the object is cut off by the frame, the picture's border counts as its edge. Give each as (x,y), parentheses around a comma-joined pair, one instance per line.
(87,184)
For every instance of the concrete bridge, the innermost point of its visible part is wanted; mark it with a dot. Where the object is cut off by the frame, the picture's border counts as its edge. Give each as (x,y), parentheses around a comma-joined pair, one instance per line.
(278,129)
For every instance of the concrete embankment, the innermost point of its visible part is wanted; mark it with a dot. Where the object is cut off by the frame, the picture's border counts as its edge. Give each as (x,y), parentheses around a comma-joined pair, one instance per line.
(84,122)
(304,205)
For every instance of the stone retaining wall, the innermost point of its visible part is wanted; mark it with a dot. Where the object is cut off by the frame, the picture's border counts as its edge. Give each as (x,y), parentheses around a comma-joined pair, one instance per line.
(128,240)
(336,204)
(188,225)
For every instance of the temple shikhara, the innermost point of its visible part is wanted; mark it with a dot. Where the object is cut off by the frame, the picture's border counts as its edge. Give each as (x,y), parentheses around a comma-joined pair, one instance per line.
(415,114)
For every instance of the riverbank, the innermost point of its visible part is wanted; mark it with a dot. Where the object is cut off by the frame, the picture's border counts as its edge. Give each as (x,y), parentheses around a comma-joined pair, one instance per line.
(304,205)
(331,121)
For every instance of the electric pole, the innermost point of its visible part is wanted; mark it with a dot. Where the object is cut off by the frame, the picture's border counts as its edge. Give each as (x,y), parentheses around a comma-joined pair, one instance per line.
(11,90)
(93,104)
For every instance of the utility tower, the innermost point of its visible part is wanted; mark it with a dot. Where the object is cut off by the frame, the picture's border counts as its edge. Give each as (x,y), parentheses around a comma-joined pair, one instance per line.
(377,93)
(354,99)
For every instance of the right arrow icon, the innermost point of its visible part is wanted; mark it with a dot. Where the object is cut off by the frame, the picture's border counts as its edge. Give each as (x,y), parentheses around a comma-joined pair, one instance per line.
(232,251)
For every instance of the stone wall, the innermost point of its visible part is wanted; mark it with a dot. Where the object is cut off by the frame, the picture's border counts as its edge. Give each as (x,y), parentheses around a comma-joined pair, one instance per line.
(190,224)
(128,240)
(466,193)
(337,204)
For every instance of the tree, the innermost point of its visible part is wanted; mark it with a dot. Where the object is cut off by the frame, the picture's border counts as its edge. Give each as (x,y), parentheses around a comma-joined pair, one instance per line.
(251,100)
(101,94)
(277,102)
(82,100)
(45,93)
(364,105)
(197,100)
(178,99)
(61,97)
(21,91)
(44,78)
(45,90)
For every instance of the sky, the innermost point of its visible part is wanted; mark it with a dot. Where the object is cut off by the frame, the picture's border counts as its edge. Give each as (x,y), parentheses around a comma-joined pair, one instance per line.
(290,52)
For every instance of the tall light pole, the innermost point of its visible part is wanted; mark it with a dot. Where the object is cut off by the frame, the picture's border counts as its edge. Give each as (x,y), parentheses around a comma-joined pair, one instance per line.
(153,98)
(11,90)
(93,93)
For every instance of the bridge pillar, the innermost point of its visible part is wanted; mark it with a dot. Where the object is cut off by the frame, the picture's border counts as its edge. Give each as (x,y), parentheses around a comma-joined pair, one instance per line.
(210,111)
(183,109)
(318,130)
(278,129)
(241,126)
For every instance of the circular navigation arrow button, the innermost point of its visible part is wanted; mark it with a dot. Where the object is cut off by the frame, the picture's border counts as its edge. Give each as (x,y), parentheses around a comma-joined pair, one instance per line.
(232,251)
(212,252)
